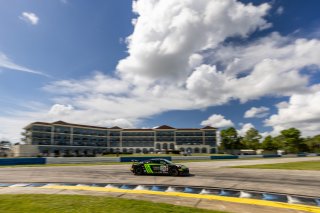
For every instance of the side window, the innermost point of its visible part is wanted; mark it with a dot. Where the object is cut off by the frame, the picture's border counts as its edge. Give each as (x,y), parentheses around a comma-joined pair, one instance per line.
(163,162)
(155,161)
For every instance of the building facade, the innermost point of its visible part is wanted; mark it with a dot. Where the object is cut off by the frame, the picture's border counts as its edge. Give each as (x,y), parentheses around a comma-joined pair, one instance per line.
(66,139)
(5,149)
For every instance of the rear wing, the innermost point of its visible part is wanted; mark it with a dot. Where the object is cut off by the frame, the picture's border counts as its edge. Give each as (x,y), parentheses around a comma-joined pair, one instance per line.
(135,161)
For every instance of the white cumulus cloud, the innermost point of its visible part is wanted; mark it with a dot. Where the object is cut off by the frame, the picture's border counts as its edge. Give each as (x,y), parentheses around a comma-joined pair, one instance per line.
(120,122)
(257,112)
(99,83)
(168,33)
(302,111)
(245,128)
(195,60)
(60,109)
(269,66)
(218,121)
(29,17)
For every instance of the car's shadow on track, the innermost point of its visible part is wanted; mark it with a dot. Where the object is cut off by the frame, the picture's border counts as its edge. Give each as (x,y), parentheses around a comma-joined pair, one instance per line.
(165,175)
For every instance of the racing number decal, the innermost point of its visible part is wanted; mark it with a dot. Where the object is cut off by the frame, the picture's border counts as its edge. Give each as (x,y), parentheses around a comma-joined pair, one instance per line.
(156,168)
(163,168)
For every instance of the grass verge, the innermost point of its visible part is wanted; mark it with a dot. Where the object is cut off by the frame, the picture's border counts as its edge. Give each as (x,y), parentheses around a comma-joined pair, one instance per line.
(81,203)
(305,165)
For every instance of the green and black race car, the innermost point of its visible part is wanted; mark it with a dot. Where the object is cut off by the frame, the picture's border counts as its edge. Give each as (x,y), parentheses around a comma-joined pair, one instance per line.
(158,166)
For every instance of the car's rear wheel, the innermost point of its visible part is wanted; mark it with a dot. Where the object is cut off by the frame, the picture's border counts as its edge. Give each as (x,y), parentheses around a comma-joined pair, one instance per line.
(174,172)
(138,171)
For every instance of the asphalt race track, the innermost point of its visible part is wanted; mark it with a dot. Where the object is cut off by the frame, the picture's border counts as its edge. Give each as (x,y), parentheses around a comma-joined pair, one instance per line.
(211,174)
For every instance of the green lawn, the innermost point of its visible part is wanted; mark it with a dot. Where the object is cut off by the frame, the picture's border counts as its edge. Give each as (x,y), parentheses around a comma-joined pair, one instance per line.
(85,204)
(306,165)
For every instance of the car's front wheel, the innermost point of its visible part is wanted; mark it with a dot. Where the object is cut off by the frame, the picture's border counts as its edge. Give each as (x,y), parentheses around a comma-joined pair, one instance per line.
(174,172)
(138,171)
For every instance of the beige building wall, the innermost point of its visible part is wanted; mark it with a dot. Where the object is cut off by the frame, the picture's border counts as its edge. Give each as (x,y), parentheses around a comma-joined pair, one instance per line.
(24,150)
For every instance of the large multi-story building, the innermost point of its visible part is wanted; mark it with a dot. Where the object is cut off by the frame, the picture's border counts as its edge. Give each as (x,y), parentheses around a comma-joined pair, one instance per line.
(66,139)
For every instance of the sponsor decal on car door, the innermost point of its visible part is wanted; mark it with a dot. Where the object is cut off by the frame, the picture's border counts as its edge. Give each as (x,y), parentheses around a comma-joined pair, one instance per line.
(148,168)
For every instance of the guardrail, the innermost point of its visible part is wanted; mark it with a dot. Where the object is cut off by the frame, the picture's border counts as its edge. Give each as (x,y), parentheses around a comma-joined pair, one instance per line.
(75,160)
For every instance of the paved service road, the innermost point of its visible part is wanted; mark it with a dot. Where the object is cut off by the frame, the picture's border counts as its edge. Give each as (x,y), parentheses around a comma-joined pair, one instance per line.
(211,174)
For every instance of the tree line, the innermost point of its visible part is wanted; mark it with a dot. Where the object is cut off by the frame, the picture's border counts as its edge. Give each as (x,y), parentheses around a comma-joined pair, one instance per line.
(289,140)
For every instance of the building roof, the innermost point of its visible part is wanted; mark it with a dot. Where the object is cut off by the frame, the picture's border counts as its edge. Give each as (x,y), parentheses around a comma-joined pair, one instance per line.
(40,123)
(67,124)
(60,122)
(163,127)
(209,127)
(115,127)
(186,129)
(140,130)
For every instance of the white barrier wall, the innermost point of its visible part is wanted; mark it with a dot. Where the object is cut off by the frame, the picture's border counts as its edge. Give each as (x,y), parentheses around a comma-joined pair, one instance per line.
(190,158)
(250,156)
(75,160)
(65,160)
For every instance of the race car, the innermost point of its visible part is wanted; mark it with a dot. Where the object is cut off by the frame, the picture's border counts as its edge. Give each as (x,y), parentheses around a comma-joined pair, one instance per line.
(158,166)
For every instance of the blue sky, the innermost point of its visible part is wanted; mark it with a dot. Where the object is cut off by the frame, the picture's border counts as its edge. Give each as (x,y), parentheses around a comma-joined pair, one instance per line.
(146,63)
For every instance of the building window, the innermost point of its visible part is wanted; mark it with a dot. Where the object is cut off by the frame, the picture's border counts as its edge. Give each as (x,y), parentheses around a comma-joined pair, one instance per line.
(165,146)
(183,134)
(210,133)
(171,146)
(165,133)
(165,138)
(158,146)
(145,151)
